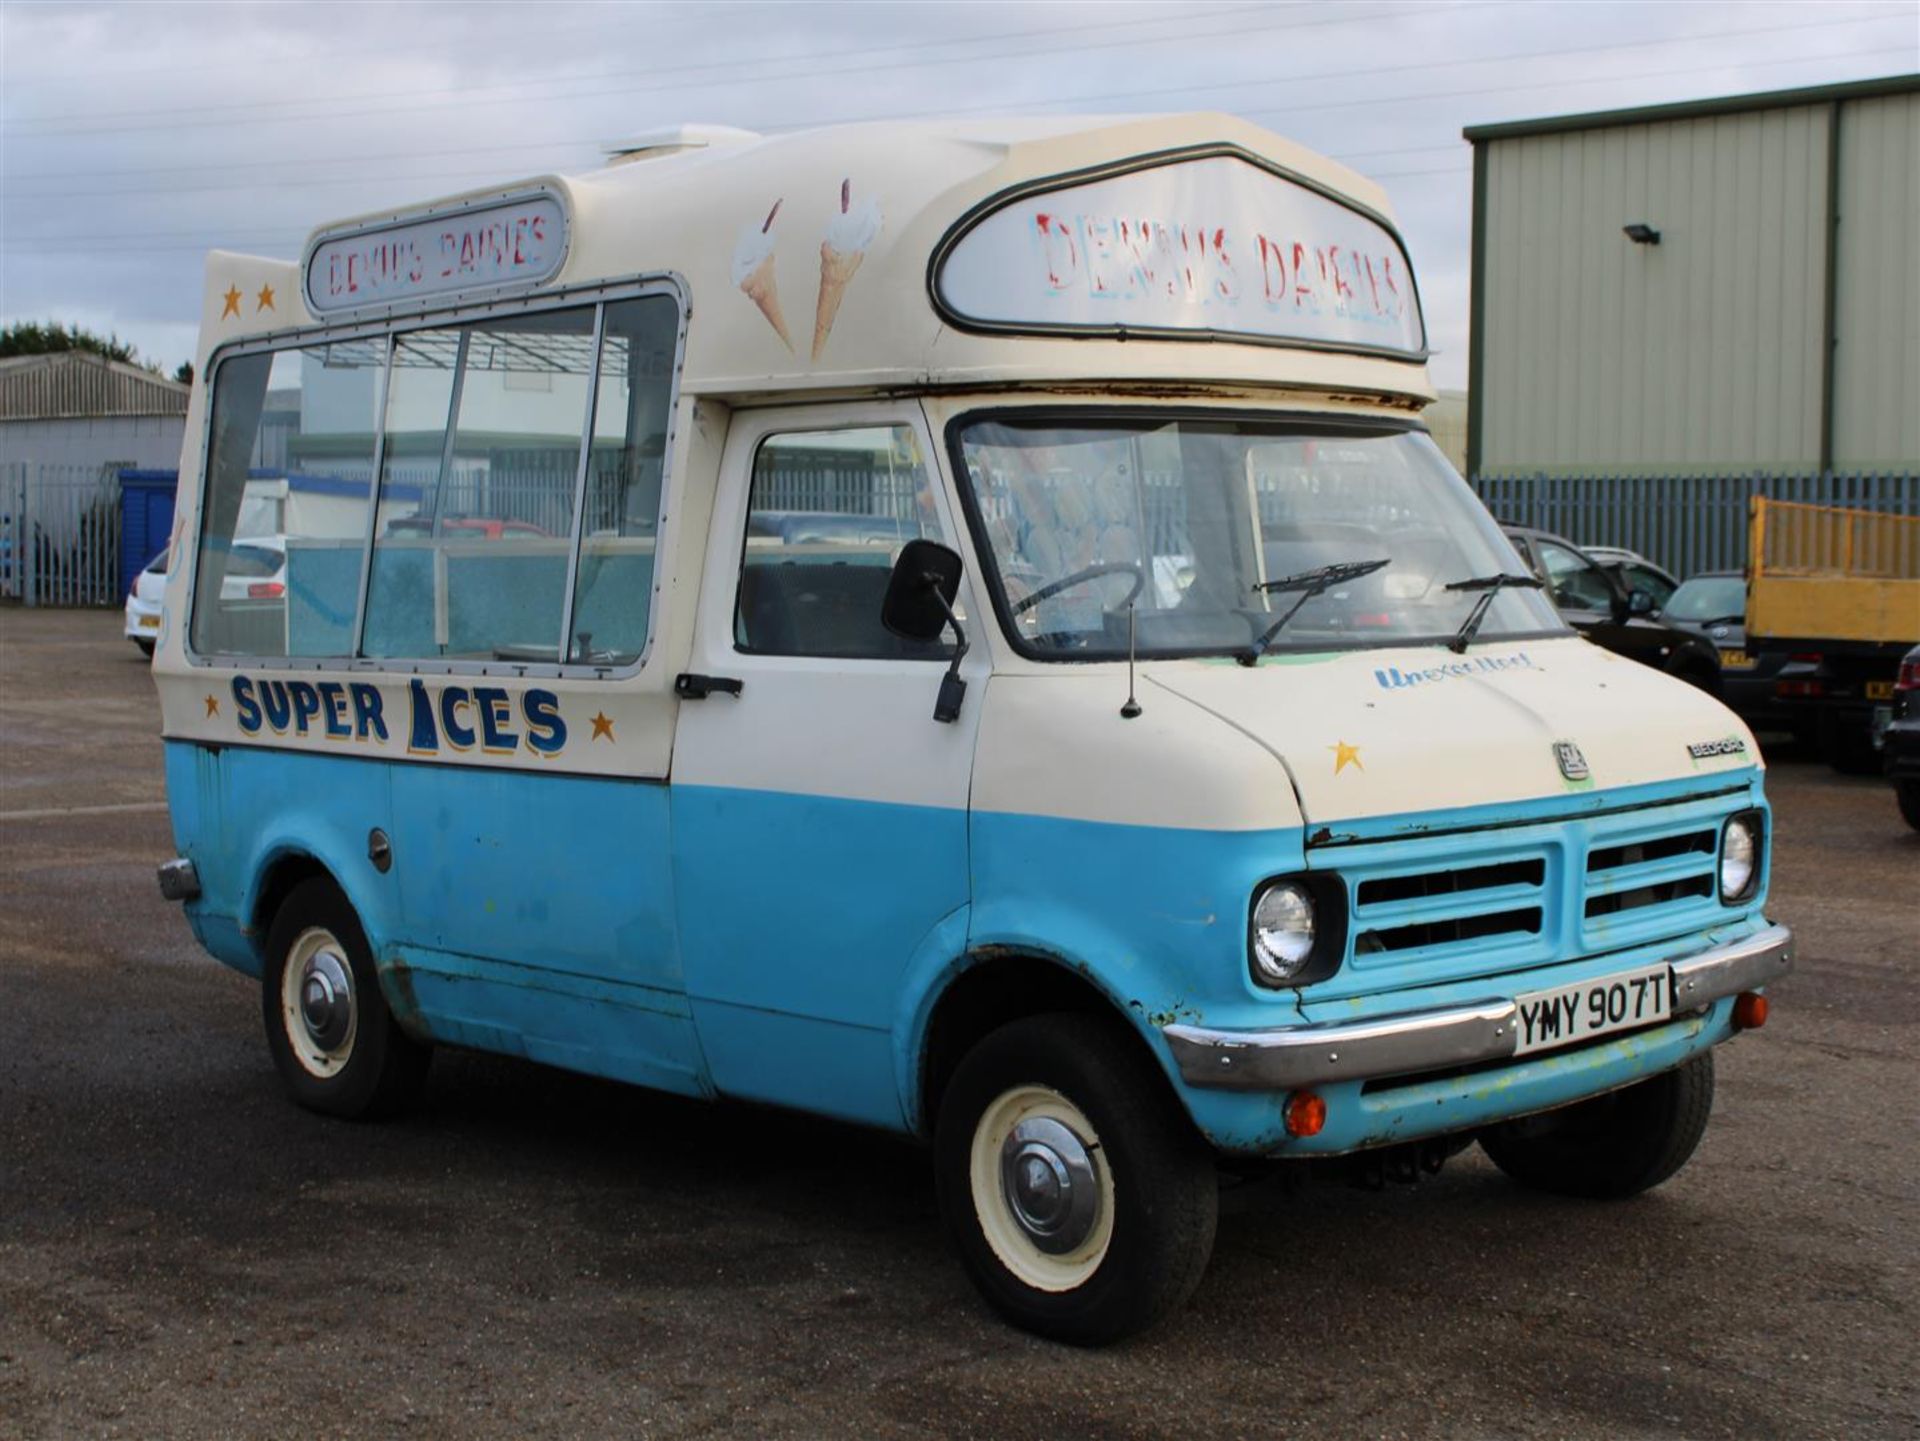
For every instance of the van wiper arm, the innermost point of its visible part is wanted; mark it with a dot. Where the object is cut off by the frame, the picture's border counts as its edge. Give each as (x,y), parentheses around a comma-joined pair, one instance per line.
(1309,583)
(1489,586)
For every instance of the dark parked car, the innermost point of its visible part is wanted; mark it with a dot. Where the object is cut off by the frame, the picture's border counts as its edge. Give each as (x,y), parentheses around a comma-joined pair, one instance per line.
(1902,745)
(1595,603)
(1636,572)
(1713,605)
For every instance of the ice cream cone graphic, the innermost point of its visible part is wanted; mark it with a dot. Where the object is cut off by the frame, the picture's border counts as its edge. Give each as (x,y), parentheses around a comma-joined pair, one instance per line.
(849,234)
(753,273)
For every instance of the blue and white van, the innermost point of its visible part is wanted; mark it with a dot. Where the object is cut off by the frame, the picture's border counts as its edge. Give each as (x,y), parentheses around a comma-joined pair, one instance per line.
(957,628)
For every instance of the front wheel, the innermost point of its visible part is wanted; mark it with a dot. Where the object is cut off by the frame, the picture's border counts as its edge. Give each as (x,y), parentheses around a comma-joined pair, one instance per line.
(1612,1146)
(1908,793)
(1081,1200)
(333,1039)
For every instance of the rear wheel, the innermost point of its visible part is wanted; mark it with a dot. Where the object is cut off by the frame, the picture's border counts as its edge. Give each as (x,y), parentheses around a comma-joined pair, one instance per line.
(1909,794)
(1081,1200)
(333,1038)
(1612,1146)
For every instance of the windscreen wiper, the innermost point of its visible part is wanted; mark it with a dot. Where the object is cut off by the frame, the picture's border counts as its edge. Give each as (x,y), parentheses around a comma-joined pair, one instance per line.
(1489,586)
(1309,583)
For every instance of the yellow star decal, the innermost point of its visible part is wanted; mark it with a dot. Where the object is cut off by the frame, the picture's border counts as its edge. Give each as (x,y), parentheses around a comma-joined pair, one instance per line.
(264,300)
(1345,755)
(232,297)
(213,706)
(603,726)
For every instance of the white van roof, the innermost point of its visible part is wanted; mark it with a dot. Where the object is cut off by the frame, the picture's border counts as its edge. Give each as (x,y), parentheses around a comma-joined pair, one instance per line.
(919,255)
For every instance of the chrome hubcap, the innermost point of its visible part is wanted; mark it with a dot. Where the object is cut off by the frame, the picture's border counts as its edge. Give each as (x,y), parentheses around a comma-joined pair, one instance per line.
(326,999)
(1046,1174)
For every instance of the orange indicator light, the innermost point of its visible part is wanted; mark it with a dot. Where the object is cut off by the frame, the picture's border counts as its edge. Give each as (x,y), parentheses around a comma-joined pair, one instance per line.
(1749,1011)
(1307,1113)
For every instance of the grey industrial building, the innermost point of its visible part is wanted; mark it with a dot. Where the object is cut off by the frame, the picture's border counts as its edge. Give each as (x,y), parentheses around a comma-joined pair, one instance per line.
(1721,288)
(74,408)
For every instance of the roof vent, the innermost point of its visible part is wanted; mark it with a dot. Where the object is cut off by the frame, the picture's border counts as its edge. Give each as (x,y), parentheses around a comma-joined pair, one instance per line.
(675,140)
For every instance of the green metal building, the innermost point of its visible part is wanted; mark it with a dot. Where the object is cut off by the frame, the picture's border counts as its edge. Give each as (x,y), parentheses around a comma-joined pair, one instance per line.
(1724,288)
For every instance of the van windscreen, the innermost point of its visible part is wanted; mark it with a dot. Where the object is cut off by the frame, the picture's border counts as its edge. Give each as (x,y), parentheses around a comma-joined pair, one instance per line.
(1209,529)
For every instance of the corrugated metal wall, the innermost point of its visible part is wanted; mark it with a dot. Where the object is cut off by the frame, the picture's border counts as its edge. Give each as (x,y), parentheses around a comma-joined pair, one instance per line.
(1699,353)
(76,383)
(1702,354)
(1687,523)
(146,441)
(1877,310)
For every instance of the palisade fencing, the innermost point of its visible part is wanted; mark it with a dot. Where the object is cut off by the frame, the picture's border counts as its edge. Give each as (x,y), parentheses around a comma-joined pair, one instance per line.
(1685,523)
(60,534)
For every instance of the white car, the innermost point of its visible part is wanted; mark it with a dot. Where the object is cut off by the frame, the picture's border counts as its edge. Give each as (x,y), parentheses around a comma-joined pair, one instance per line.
(256,570)
(143,603)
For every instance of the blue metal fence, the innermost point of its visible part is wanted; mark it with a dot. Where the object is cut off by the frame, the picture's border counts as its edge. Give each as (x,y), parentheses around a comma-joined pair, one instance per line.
(1685,523)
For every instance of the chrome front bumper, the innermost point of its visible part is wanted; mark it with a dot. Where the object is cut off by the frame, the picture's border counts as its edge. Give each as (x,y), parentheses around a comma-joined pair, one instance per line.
(1415,1041)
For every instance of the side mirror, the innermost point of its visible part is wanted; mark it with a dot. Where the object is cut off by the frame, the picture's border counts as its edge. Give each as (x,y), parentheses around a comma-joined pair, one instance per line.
(919,605)
(920,592)
(1639,602)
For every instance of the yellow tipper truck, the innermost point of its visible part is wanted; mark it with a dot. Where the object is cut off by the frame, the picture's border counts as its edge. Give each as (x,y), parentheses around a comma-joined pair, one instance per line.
(1838,591)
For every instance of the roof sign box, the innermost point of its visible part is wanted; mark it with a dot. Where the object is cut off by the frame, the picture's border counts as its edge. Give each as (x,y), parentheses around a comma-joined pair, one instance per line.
(1219,246)
(478,248)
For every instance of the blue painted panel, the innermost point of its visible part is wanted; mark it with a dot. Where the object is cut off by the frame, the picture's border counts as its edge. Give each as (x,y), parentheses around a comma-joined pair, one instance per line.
(811,909)
(569,874)
(237,809)
(525,912)
(626,1032)
(801,1061)
(1157,917)
(1543,808)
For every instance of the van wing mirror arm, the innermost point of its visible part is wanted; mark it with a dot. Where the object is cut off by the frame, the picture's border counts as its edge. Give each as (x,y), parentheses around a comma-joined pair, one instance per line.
(953,690)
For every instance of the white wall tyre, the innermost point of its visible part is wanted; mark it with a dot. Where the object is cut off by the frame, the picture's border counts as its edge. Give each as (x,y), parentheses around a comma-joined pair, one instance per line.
(1613,1146)
(1080,1198)
(333,1040)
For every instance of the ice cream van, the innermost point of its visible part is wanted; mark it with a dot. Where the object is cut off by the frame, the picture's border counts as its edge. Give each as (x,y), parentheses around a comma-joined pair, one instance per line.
(958,628)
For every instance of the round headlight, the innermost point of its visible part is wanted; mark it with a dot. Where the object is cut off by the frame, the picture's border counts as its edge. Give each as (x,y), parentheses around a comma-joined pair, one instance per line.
(1282,933)
(1739,850)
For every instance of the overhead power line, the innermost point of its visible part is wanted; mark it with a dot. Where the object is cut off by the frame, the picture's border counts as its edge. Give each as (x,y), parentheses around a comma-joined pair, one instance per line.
(309,110)
(1363,72)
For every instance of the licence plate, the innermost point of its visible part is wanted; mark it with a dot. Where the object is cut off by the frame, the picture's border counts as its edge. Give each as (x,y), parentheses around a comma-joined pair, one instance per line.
(1735,660)
(1568,1014)
(1879,690)
(149,622)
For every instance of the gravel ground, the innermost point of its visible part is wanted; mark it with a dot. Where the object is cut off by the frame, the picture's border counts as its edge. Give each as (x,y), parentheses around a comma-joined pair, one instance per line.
(530,1253)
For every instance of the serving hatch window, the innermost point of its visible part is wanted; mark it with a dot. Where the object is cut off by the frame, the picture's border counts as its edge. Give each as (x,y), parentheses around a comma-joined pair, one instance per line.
(514,469)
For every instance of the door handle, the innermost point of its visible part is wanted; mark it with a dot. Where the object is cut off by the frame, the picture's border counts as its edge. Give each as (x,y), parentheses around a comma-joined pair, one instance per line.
(689,686)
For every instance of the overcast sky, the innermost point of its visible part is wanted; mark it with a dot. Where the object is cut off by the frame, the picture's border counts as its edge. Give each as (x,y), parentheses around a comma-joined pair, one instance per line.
(138,136)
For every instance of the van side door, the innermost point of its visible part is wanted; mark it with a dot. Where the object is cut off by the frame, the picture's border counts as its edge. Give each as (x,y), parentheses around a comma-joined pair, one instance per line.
(819,814)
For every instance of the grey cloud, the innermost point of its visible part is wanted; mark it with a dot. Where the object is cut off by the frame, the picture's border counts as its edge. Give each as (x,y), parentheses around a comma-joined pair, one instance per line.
(138,136)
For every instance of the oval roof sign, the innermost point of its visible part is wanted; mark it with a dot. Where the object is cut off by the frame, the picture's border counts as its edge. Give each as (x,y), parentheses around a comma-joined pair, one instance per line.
(484,247)
(1216,245)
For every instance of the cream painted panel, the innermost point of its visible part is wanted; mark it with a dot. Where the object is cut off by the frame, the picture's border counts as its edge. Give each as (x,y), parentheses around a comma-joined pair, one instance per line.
(1056,745)
(852,729)
(1390,732)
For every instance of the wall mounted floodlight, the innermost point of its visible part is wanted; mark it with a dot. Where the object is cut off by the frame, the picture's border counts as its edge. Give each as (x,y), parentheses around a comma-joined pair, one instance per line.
(1641,233)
